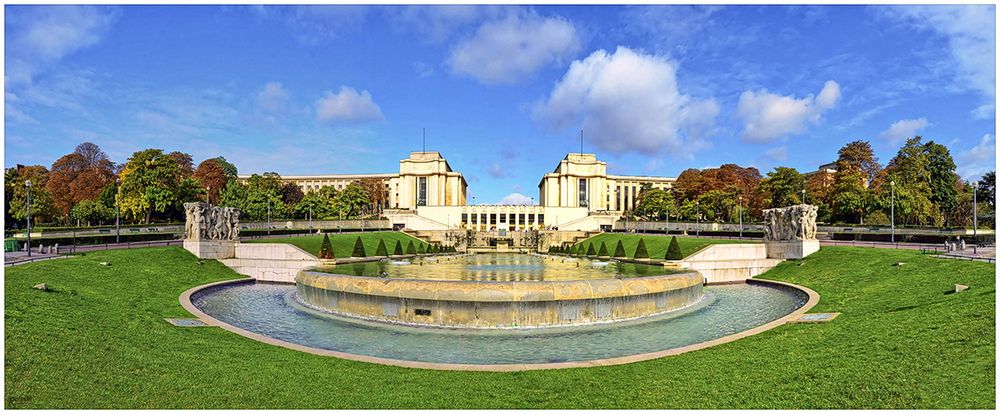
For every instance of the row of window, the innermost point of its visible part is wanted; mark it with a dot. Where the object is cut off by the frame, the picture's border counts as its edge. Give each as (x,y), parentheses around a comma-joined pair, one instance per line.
(502,218)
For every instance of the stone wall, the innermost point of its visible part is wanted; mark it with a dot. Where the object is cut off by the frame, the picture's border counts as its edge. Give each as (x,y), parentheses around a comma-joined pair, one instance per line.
(270,262)
(728,263)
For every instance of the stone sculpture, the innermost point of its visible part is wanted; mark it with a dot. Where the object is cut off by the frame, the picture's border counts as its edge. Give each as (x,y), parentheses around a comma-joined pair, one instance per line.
(207,222)
(796,222)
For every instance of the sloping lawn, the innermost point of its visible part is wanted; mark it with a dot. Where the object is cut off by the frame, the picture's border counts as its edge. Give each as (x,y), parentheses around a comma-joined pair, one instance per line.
(656,245)
(343,243)
(100,341)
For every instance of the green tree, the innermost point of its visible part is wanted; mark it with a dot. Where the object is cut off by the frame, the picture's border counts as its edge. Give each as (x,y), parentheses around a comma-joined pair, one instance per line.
(590,250)
(42,206)
(227,167)
(91,212)
(654,204)
(640,250)
(398,251)
(351,200)
(151,182)
(986,190)
(857,169)
(260,194)
(410,249)
(603,251)
(381,251)
(783,187)
(359,248)
(421,248)
(674,250)
(619,249)
(910,172)
(943,179)
(326,249)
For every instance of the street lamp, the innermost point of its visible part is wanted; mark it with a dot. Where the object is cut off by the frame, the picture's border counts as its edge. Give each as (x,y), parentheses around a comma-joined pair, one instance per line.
(803,196)
(268,217)
(208,194)
(975,210)
(697,217)
(118,235)
(310,218)
(892,209)
(27,185)
(741,217)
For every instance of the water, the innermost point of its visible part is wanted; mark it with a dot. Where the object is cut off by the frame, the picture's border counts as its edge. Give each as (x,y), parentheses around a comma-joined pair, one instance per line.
(498,267)
(271,310)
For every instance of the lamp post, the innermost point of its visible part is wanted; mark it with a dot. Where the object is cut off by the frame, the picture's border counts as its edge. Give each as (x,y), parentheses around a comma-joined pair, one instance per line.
(118,234)
(310,218)
(803,196)
(27,185)
(975,210)
(697,217)
(741,217)
(208,194)
(892,209)
(268,217)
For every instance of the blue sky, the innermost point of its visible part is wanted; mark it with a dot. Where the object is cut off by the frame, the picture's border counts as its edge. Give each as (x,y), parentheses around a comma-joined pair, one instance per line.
(501,90)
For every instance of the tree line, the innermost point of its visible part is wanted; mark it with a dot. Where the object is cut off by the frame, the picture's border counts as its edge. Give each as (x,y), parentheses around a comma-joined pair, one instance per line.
(919,183)
(85,186)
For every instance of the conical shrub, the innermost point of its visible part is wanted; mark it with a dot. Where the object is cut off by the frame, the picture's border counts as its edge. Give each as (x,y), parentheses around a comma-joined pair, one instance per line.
(410,249)
(603,251)
(381,251)
(674,250)
(398,251)
(359,248)
(620,249)
(421,249)
(640,250)
(590,250)
(325,248)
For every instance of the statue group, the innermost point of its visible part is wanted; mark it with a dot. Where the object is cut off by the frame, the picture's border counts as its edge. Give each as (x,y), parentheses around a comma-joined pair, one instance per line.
(208,222)
(796,222)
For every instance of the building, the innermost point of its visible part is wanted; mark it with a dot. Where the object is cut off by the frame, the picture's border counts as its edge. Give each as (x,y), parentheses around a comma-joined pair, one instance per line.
(426,194)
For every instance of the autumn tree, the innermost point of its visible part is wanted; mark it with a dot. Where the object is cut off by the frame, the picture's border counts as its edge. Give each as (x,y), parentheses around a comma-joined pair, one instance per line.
(184,162)
(80,175)
(857,168)
(910,172)
(152,182)
(212,177)
(42,206)
(378,195)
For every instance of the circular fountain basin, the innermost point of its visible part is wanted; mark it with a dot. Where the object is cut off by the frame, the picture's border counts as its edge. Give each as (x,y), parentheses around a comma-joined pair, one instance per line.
(498,291)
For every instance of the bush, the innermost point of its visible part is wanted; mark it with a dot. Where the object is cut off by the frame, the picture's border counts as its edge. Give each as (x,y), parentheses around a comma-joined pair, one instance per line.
(398,251)
(674,251)
(410,249)
(421,249)
(877,218)
(326,249)
(620,249)
(381,250)
(590,250)
(359,248)
(640,250)
(603,252)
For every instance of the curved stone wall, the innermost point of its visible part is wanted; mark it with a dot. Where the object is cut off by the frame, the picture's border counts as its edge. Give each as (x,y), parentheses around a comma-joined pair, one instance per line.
(486,304)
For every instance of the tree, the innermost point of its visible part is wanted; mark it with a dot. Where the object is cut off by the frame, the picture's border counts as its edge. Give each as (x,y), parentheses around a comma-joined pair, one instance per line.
(92,212)
(654,204)
(858,157)
(783,187)
(619,249)
(674,250)
(410,249)
(986,190)
(398,251)
(603,251)
(80,175)
(150,183)
(326,249)
(359,248)
(943,179)
(640,250)
(319,203)
(590,250)
(260,194)
(378,195)
(42,207)
(820,193)
(184,162)
(291,194)
(351,200)
(381,251)
(228,167)
(909,169)
(212,176)
(421,248)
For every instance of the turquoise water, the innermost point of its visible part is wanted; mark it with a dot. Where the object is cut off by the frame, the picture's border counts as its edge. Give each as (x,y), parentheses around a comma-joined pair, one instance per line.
(272,310)
(498,267)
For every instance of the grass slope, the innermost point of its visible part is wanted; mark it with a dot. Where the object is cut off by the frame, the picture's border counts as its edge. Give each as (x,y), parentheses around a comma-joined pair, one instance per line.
(656,245)
(99,341)
(343,243)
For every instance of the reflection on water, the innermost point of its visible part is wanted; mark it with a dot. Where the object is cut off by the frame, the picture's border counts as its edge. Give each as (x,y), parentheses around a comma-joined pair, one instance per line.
(498,267)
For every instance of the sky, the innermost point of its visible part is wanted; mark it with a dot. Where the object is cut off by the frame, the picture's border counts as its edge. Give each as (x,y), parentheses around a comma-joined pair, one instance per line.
(501,91)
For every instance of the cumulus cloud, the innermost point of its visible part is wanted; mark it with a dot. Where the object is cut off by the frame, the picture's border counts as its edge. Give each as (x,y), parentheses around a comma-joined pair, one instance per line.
(516,199)
(767,116)
(903,129)
(628,101)
(347,106)
(42,36)
(514,48)
(435,24)
(979,159)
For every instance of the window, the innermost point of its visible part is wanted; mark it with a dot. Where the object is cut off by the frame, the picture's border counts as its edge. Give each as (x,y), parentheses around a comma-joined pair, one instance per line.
(465,218)
(583,192)
(541,219)
(421,191)
(618,193)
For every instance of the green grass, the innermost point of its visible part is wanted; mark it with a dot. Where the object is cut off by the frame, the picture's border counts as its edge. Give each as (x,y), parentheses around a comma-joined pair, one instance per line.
(656,245)
(100,341)
(343,243)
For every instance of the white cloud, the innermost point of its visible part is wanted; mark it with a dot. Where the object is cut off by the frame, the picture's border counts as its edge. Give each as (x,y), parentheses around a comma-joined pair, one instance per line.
(42,36)
(273,98)
(347,106)
(423,70)
(514,48)
(516,199)
(970,31)
(903,129)
(435,24)
(979,159)
(628,101)
(767,116)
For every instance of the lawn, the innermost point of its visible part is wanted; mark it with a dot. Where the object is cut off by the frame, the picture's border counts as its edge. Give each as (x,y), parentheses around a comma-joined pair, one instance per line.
(343,243)
(100,341)
(656,245)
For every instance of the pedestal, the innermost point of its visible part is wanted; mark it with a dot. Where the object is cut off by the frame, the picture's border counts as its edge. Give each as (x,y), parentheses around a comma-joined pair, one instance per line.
(211,249)
(790,249)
